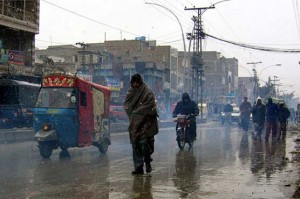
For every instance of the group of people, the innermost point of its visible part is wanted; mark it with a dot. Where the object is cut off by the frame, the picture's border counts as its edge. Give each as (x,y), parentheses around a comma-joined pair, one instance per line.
(141,109)
(272,116)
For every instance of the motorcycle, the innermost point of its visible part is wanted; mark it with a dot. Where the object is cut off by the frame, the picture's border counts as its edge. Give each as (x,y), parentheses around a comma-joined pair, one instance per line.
(182,129)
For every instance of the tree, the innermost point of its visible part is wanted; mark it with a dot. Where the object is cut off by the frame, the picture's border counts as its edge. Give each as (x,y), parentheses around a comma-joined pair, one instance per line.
(267,90)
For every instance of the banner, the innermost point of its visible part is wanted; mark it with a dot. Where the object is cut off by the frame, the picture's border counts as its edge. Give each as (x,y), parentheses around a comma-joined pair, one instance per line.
(16,57)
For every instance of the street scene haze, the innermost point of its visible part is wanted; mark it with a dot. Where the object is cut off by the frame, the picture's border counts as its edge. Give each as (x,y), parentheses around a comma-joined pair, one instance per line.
(149,99)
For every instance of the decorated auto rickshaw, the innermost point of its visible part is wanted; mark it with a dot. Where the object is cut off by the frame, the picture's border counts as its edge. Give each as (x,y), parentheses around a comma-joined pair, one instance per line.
(71,112)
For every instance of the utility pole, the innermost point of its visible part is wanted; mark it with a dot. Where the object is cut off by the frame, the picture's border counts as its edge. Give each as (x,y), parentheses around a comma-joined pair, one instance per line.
(255,79)
(83,46)
(274,86)
(197,58)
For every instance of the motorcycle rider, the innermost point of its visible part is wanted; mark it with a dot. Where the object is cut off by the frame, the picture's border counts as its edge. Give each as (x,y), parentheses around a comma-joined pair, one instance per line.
(185,107)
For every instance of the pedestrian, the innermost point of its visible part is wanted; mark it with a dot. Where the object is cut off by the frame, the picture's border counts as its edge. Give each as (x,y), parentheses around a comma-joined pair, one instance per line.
(245,109)
(283,115)
(186,107)
(271,118)
(258,118)
(141,109)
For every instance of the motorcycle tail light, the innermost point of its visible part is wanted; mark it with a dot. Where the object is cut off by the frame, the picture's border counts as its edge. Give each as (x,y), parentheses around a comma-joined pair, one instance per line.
(46,127)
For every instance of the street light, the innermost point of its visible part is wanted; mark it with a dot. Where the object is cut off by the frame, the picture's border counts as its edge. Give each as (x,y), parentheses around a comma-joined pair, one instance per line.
(267,67)
(182,34)
(247,70)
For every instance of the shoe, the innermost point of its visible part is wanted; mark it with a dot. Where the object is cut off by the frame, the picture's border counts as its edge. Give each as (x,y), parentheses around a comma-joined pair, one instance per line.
(148,168)
(138,172)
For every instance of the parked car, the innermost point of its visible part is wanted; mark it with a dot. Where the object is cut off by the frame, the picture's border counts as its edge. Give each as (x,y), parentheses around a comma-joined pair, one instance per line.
(117,113)
(235,115)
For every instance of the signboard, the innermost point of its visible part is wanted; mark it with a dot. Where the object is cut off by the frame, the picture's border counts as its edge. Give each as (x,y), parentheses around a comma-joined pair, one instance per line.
(16,57)
(113,83)
(58,81)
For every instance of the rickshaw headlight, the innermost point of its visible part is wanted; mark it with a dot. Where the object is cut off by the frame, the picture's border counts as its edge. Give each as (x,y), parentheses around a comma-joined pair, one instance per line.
(46,127)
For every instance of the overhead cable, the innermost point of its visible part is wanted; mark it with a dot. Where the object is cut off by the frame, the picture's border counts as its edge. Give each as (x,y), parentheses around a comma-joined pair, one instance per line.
(262,48)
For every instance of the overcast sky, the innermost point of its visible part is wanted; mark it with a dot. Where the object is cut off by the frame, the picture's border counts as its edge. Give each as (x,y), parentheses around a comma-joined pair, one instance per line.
(265,23)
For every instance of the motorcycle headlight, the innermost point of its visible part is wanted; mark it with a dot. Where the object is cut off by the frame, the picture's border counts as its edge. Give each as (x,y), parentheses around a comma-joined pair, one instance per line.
(45,127)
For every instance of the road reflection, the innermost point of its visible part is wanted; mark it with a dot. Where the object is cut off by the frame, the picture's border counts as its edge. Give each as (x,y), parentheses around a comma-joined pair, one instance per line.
(275,157)
(71,179)
(186,178)
(244,149)
(142,187)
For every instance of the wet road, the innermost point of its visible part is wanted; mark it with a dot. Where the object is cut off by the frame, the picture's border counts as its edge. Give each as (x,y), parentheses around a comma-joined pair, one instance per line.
(224,163)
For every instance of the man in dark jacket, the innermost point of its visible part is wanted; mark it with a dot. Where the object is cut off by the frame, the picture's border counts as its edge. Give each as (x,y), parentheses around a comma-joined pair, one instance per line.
(186,107)
(271,117)
(245,109)
(283,115)
(143,126)
(258,117)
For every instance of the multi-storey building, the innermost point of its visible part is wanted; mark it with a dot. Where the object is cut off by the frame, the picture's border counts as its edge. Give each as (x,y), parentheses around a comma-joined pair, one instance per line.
(113,62)
(19,22)
(164,69)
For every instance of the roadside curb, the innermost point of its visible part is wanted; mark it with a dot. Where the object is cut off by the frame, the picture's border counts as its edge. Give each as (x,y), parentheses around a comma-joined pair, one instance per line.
(27,134)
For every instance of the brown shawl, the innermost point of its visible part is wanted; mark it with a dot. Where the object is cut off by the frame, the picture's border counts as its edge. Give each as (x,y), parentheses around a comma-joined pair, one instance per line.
(141,109)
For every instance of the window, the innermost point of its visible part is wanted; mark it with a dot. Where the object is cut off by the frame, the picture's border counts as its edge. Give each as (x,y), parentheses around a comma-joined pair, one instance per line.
(83,98)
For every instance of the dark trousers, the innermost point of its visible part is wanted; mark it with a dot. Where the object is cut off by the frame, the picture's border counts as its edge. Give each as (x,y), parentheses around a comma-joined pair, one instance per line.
(142,152)
(245,123)
(271,125)
(258,128)
(282,130)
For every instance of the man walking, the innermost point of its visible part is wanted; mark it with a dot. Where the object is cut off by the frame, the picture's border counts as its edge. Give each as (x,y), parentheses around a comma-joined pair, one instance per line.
(245,109)
(258,117)
(271,117)
(283,115)
(143,126)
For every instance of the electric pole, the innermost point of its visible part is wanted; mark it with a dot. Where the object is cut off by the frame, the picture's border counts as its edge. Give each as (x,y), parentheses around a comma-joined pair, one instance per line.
(83,46)
(255,79)
(197,57)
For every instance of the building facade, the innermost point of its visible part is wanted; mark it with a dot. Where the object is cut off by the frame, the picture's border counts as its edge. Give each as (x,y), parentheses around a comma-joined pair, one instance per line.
(19,22)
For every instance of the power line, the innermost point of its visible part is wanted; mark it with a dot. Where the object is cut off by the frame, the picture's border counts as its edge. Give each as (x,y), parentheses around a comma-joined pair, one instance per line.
(104,24)
(255,47)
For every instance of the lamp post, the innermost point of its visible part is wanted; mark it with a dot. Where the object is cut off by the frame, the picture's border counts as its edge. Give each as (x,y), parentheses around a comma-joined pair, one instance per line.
(256,76)
(267,67)
(182,34)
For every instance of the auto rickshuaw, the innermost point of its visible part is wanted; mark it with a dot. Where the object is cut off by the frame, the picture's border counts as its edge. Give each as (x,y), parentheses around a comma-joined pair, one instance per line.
(71,112)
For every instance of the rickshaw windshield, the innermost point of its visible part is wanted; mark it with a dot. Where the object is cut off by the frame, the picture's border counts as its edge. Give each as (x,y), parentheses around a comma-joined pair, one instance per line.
(57,98)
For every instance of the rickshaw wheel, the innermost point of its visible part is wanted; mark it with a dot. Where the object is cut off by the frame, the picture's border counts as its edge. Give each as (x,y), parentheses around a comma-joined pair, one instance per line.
(103,147)
(45,150)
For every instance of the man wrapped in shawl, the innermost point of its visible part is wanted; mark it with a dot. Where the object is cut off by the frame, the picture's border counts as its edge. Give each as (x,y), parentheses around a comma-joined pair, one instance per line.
(141,110)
